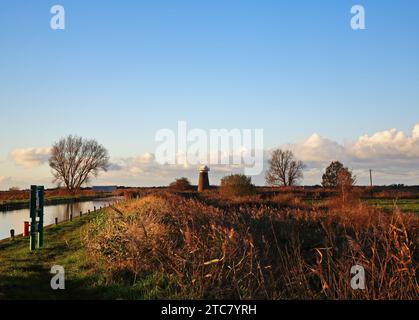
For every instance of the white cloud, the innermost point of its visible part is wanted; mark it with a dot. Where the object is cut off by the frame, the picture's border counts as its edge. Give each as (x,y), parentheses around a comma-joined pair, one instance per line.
(31,157)
(7,182)
(319,149)
(388,144)
(393,155)
(381,146)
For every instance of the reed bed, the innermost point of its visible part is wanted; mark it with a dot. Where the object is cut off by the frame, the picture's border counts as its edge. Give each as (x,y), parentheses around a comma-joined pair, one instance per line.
(213,249)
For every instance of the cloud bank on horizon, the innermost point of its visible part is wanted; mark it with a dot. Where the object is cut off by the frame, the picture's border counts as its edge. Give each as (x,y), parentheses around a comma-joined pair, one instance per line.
(30,157)
(392,154)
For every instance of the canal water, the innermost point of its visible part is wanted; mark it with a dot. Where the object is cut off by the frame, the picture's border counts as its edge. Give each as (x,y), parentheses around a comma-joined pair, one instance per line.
(15,219)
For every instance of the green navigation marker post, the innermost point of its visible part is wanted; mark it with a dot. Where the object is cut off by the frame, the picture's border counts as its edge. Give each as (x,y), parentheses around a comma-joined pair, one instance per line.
(41,217)
(37,216)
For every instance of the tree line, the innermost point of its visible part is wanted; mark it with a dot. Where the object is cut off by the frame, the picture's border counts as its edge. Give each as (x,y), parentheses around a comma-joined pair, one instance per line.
(75,160)
(285,170)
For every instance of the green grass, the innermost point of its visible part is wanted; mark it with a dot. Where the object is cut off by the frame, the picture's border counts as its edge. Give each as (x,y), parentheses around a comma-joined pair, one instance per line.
(388,205)
(26,275)
(405,205)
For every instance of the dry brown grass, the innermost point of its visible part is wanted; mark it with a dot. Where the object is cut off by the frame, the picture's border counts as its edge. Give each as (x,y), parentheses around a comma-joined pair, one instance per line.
(257,250)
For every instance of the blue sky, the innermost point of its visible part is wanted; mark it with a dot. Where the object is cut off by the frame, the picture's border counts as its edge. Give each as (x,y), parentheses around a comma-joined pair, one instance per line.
(124,69)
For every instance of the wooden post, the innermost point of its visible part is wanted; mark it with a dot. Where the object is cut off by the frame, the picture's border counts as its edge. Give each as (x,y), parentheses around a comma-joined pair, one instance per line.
(94,209)
(370,178)
(71,217)
(26,228)
(33,204)
(81,213)
(371,185)
(56,221)
(88,211)
(40,213)
(12,234)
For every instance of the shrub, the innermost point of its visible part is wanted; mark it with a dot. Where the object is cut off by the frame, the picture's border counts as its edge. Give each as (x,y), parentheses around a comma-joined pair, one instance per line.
(128,238)
(131,194)
(236,185)
(181,184)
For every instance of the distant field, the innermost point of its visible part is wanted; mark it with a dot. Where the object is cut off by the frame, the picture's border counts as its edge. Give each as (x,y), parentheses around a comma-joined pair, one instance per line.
(405,205)
(388,205)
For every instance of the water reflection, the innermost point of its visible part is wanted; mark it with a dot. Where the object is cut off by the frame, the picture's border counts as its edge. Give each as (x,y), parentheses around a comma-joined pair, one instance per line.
(14,219)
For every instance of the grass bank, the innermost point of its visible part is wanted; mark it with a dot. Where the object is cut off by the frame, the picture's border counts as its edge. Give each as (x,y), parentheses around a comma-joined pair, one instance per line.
(26,275)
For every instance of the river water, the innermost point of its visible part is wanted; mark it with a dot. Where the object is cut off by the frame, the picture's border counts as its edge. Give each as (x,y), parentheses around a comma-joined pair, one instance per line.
(15,219)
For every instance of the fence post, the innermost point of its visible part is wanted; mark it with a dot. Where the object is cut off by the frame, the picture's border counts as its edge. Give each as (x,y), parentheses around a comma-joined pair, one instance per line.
(26,228)
(12,234)
(56,221)
(40,213)
(33,213)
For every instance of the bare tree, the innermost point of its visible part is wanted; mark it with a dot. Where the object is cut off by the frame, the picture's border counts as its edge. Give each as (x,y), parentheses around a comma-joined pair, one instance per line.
(75,160)
(284,169)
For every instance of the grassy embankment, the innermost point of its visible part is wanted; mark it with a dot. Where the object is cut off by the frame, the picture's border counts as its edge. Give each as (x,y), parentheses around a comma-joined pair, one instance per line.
(172,246)
(26,275)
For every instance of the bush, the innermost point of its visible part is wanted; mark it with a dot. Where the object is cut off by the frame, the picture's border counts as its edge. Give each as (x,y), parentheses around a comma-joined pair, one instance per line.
(131,194)
(236,185)
(128,239)
(181,184)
